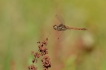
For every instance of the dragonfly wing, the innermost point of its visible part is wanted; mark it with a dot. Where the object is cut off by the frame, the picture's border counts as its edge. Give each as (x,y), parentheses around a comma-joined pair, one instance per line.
(60,19)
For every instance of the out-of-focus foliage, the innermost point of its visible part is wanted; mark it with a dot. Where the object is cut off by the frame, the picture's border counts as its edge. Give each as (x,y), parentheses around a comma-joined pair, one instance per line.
(24,22)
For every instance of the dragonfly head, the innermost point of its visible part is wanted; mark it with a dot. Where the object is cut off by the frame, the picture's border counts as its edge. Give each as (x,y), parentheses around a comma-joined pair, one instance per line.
(55,27)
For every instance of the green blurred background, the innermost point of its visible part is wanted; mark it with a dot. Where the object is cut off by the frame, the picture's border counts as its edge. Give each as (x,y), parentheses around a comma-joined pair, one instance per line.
(24,22)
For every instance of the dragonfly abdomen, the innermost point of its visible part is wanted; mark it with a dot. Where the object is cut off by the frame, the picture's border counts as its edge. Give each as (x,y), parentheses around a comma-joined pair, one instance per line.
(76,28)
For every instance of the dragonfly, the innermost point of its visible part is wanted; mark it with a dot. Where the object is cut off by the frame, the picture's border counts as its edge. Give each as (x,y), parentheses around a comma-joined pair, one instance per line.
(63,27)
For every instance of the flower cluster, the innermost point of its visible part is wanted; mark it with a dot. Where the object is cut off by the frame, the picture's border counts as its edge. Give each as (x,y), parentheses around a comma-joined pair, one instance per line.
(46,62)
(32,67)
(43,51)
(42,47)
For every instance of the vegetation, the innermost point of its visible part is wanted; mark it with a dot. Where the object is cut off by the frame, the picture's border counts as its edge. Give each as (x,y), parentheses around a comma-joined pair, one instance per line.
(25,22)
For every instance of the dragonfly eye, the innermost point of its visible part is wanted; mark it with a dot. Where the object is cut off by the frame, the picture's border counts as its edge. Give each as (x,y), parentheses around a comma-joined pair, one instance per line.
(55,27)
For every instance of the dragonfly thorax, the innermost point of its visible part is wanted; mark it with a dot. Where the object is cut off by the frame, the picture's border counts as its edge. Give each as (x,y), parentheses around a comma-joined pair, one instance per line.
(60,27)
